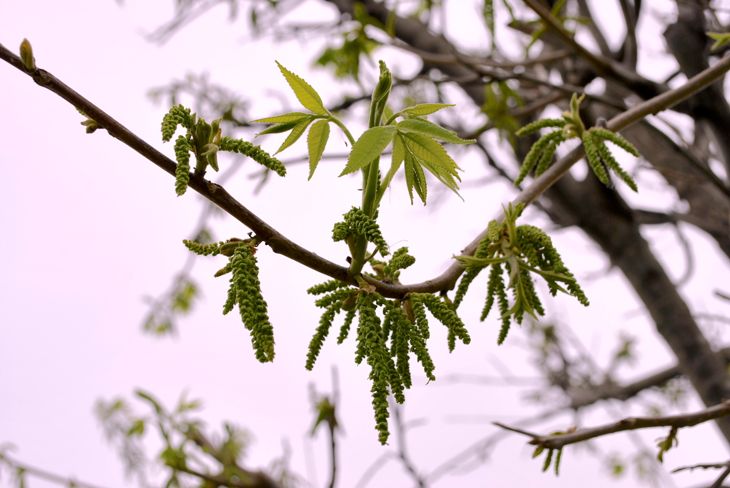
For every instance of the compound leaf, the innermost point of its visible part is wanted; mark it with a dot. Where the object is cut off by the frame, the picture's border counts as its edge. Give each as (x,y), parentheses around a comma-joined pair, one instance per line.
(307,96)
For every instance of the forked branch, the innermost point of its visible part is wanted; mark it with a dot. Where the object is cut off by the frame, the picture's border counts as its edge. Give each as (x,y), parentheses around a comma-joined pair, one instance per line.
(282,245)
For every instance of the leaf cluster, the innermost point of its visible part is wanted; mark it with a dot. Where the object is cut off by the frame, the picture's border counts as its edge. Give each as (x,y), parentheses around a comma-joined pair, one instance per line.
(416,146)
(388,331)
(204,140)
(416,141)
(519,252)
(355,44)
(244,290)
(500,99)
(599,157)
(296,123)
(186,451)
(177,301)
(552,457)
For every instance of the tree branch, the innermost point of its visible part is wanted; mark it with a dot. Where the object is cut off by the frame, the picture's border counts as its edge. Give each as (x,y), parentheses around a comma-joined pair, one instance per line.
(630,423)
(282,245)
(23,468)
(212,191)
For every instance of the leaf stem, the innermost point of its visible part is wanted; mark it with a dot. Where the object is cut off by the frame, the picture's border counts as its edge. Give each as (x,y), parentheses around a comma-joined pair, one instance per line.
(343,128)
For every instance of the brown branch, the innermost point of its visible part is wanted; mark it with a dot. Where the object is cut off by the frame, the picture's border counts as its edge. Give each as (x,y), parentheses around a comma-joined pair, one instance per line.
(282,245)
(558,441)
(42,473)
(603,65)
(212,191)
(247,478)
(448,278)
(726,464)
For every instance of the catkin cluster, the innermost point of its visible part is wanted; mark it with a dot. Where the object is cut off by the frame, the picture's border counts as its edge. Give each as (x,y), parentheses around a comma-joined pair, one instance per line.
(244,290)
(598,156)
(204,140)
(387,332)
(514,254)
(357,223)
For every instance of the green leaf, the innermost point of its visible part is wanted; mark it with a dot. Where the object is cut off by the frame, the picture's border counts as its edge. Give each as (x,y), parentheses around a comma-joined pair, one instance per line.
(424,109)
(174,458)
(429,129)
(295,134)
(279,128)
(368,147)
(317,140)
(146,396)
(307,96)
(720,38)
(279,119)
(415,178)
(137,428)
(395,162)
(432,156)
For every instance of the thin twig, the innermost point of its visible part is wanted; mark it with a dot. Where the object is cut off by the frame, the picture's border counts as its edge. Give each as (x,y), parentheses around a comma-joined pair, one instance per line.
(402,448)
(702,466)
(43,474)
(558,441)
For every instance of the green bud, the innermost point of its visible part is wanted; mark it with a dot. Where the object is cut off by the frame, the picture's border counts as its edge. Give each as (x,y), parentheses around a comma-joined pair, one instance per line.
(380,95)
(26,55)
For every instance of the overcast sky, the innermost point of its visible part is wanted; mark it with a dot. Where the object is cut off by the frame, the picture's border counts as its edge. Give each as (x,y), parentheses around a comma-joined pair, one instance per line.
(90,228)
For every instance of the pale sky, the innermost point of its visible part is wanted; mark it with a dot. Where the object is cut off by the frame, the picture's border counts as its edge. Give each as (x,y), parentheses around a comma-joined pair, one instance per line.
(90,228)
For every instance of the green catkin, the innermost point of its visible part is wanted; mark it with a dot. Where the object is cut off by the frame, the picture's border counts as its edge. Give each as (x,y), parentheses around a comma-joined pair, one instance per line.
(345,328)
(336,296)
(203,249)
(546,158)
(419,313)
(401,332)
(483,251)
(497,290)
(254,152)
(536,151)
(616,139)
(251,304)
(399,261)
(178,115)
(495,274)
(593,157)
(548,259)
(540,124)
(357,224)
(326,287)
(182,171)
(325,324)
(372,348)
(446,315)
(531,295)
(419,348)
(230,299)
(611,163)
